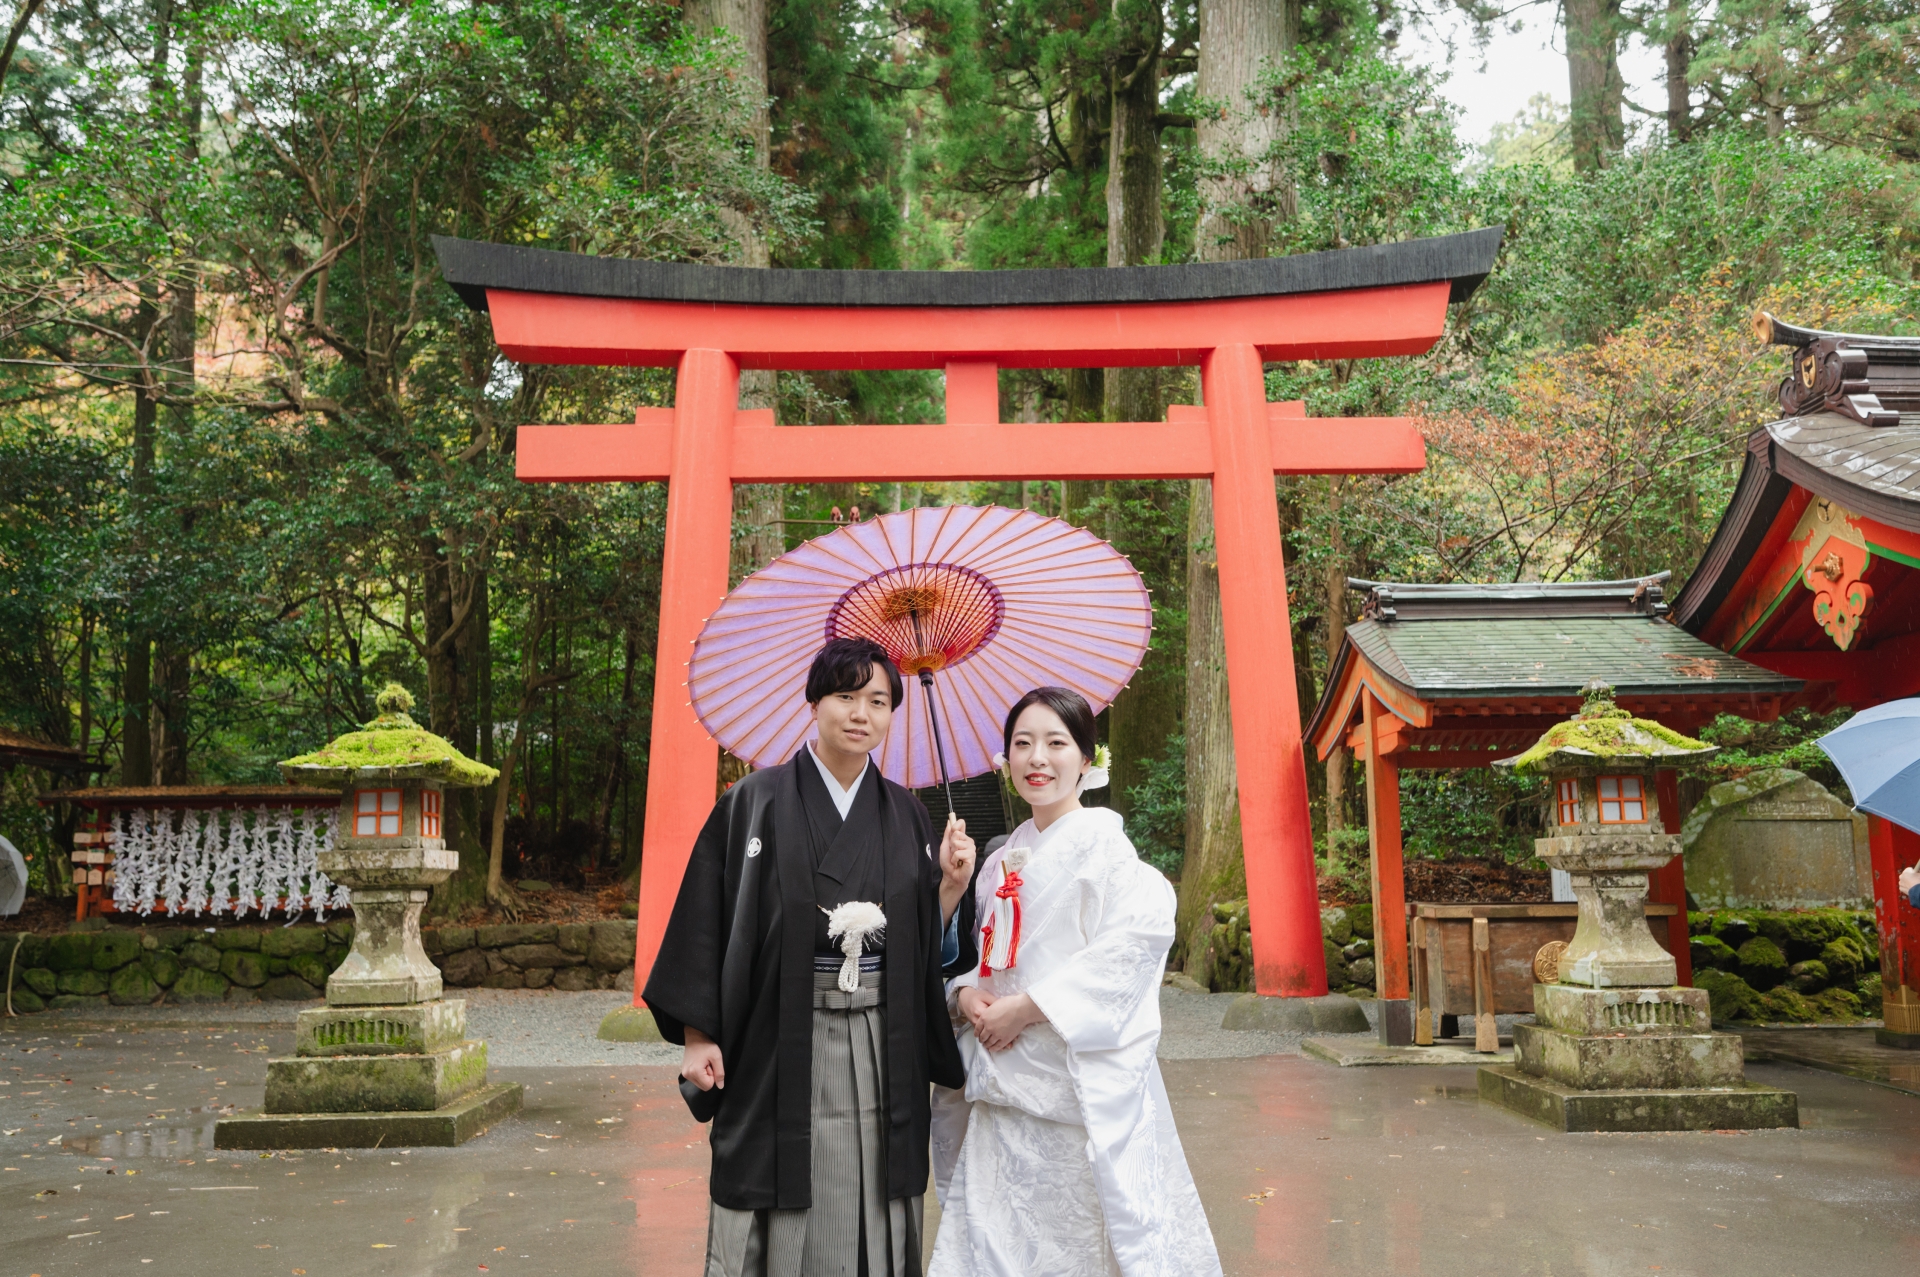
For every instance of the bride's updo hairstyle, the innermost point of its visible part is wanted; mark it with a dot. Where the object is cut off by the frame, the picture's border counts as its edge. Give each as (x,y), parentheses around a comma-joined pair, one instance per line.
(1068,704)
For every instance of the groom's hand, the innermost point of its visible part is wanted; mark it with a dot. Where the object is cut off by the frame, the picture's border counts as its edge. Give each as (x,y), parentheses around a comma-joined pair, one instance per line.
(956,866)
(700,1062)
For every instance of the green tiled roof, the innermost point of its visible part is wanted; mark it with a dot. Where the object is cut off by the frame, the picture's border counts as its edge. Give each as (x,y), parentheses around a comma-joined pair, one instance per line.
(1553,656)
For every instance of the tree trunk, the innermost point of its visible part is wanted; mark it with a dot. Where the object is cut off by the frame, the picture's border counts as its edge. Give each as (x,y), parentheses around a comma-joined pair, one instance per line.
(1136,225)
(1338,758)
(1679,51)
(757,507)
(1240,41)
(1594,85)
(1212,868)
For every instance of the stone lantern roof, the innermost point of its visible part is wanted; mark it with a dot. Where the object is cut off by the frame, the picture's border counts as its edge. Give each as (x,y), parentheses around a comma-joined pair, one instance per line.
(391,747)
(1603,734)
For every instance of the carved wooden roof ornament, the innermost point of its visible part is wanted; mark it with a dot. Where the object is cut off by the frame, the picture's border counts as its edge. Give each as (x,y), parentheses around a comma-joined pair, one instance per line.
(1871,380)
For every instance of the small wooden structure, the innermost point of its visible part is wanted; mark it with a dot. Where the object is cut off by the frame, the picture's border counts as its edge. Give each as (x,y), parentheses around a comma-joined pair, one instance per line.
(17,748)
(1467,958)
(1814,572)
(1460,675)
(95,839)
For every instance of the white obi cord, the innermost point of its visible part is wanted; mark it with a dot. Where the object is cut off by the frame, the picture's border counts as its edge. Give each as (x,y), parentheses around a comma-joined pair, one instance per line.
(851,924)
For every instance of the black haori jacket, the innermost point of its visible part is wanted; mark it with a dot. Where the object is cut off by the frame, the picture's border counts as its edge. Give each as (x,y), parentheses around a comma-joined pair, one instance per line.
(737,964)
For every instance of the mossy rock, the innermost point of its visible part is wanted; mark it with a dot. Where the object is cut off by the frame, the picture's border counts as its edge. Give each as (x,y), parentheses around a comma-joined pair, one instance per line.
(248,970)
(228,938)
(310,967)
(71,951)
(284,942)
(163,966)
(203,956)
(340,931)
(68,1001)
(288,988)
(83,983)
(131,986)
(42,981)
(1762,965)
(23,950)
(1802,935)
(630,1024)
(1729,997)
(114,949)
(1872,993)
(1734,929)
(1711,951)
(1808,977)
(1361,916)
(1336,925)
(27,1002)
(534,887)
(1786,1006)
(391,747)
(1837,1005)
(1360,948)
(197,985)
(335,955)
(1844,958)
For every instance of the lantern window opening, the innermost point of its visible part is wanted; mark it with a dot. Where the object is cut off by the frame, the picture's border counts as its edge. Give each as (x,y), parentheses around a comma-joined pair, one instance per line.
(1623,800)
(376,813)
(429,813)
(1569,799)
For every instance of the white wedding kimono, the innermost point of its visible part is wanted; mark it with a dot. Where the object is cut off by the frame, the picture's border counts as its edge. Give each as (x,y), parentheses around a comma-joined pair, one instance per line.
(1061,1157)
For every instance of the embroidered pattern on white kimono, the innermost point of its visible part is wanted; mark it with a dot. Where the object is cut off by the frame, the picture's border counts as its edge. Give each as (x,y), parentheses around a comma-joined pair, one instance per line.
(1061,1156)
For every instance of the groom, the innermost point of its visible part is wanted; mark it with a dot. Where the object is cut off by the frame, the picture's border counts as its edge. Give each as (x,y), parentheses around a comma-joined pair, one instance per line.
(818,1095)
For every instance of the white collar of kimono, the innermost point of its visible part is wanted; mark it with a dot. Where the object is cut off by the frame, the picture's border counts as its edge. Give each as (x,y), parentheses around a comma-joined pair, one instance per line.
(842,798)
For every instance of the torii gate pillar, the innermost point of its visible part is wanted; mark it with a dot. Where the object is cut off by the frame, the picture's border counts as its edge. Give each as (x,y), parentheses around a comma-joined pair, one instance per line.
(1230,318)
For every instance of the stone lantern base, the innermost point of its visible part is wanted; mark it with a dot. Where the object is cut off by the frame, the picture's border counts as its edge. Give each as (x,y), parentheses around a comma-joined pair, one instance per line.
(363,1076)
(1631,1060)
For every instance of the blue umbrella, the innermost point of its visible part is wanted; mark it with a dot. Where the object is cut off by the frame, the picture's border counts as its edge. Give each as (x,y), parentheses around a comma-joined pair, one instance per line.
(1878,751)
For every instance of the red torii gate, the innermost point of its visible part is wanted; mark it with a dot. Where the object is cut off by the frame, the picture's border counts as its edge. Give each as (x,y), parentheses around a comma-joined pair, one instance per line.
(1229,318)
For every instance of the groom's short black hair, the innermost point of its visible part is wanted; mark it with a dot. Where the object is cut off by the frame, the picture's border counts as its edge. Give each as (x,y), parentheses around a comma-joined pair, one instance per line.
(845,665)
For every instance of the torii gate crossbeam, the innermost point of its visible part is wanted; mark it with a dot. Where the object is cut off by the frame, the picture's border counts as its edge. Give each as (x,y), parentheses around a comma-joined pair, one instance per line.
(1229,318)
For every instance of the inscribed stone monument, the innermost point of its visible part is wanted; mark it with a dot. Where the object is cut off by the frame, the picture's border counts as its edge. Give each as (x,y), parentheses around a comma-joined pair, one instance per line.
(1776,839)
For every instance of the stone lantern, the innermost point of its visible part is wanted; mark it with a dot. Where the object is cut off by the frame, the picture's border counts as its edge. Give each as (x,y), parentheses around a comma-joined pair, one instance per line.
(386,1060)
(1616,1044)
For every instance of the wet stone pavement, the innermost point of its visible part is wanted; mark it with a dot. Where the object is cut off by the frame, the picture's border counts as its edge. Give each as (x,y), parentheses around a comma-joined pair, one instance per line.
(1303,1168)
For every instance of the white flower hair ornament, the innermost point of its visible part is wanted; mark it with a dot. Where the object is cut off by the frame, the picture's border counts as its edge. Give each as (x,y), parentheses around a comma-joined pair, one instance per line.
(1100,775)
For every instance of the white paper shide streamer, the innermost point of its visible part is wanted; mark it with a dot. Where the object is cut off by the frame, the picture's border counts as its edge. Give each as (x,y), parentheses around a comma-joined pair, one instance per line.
(256,860)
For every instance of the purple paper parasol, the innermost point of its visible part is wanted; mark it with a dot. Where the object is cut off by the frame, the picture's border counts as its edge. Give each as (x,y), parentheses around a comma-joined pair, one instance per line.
(991,602)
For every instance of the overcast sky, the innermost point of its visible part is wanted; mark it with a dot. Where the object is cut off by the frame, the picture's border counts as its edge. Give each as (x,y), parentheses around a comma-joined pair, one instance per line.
(1495,85)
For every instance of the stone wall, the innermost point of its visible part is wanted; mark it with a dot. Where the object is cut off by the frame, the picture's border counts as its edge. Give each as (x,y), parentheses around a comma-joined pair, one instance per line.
(1346,934)
(150,965)
(1763,966)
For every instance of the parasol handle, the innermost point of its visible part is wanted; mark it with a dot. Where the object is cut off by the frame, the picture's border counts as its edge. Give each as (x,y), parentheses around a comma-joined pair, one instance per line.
(933,721)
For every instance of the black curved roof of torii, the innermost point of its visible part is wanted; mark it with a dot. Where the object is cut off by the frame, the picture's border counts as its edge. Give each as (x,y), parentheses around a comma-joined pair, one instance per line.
(472,267)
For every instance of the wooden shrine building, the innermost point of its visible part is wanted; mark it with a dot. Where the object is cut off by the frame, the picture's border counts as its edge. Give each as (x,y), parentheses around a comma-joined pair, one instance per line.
(1815,570)
(1446,676)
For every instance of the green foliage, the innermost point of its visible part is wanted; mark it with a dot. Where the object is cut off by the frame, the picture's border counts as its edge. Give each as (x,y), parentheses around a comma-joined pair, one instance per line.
(1787,741)
(1157,819)
(1476,812)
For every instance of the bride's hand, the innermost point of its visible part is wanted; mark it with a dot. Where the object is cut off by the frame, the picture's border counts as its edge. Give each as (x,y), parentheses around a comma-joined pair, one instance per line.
(973,1004)
(1000,1023)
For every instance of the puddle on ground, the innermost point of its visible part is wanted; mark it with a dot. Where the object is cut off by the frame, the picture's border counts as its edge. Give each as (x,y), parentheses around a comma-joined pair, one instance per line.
(193,1133)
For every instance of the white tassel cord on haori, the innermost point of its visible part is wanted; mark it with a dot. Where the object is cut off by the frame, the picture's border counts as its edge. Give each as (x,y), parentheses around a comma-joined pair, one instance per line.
(255,861)
(851,924)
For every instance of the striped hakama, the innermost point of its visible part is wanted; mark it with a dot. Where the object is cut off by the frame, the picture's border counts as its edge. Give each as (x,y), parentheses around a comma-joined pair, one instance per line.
(851,1230)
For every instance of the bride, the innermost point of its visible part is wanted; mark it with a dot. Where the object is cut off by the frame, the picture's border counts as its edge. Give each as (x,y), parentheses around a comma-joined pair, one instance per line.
(1061,1157)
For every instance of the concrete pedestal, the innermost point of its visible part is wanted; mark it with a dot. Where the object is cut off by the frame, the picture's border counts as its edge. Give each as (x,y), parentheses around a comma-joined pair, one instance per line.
(1329,1013)
(1631,1060)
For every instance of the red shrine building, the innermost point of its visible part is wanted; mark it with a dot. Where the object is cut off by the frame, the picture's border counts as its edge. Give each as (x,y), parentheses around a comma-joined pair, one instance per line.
(1814,572)
(1228,318)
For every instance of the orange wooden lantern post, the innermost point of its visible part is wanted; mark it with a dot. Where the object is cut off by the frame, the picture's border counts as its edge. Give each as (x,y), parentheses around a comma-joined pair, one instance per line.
(1230,318)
